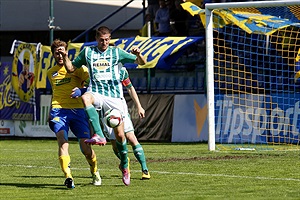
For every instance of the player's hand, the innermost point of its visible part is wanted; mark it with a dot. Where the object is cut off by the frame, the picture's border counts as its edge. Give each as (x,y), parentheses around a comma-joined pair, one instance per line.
(140,59)
(62,51)
(141,112)
(136,51)
(76,92)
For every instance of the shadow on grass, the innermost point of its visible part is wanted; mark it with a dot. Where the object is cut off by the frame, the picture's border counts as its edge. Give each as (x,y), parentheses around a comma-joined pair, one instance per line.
(48,177)
(61,186)
(54,186)
(35,185)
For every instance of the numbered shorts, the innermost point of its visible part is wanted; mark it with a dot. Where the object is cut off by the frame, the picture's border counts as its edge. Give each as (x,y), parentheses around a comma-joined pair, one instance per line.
(74,119)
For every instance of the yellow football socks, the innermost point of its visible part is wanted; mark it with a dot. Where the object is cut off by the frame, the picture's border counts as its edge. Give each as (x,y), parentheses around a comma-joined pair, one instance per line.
(65,165)
(93,164)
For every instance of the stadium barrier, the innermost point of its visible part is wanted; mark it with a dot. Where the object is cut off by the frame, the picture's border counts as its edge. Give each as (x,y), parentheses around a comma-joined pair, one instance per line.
(169,118)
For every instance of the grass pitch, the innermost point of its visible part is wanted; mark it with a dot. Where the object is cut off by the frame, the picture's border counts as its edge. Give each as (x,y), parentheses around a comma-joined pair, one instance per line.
(30,171)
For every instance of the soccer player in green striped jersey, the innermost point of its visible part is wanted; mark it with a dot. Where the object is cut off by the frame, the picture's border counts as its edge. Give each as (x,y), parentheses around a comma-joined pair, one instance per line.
(105,87)
(128,126)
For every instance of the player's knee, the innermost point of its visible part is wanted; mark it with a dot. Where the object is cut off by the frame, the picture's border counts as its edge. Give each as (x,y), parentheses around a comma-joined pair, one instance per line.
(87,98)
(132,140)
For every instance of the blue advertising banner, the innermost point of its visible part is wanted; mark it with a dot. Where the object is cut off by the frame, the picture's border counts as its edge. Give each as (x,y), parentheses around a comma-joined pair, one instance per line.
(190,118)
(257,119)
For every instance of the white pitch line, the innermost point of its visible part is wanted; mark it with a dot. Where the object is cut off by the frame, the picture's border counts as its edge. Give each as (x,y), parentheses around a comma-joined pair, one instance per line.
(26,166)
(29,150)
(164,172)
(230,176)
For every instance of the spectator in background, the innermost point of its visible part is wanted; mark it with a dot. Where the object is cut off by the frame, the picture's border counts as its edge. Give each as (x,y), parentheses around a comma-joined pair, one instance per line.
(152,8)
(162,17)
(144,29)
(178,19)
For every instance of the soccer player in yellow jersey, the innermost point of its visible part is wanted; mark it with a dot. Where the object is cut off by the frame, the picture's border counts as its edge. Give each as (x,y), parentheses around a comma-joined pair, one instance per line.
(67,112)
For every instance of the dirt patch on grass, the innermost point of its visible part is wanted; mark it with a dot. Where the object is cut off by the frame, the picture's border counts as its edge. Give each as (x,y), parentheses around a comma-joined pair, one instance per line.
(226,157)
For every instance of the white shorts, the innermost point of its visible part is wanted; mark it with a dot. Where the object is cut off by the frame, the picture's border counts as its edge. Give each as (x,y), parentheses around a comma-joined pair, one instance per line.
(109,132)
(103,104)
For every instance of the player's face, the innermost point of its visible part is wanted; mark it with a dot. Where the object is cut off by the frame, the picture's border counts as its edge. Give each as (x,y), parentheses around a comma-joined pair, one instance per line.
(103,41)
(58,57)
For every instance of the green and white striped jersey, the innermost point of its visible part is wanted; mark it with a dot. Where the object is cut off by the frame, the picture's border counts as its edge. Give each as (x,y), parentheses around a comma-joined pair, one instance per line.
(105,73)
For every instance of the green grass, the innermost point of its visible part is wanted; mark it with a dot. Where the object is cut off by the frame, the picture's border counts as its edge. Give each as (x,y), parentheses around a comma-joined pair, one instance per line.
(29,169)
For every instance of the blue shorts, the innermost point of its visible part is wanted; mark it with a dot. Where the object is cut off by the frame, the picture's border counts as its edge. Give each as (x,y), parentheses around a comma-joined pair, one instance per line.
(75,119)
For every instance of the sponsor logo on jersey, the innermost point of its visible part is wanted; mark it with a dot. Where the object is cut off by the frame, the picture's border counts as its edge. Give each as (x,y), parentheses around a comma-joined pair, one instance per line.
(55,74)
(103,76)
(62,81)
(101,65)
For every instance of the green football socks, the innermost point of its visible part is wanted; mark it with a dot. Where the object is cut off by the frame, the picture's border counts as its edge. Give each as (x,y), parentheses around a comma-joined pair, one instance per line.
(94,119)
(117,154)
(140,156)
(122,148)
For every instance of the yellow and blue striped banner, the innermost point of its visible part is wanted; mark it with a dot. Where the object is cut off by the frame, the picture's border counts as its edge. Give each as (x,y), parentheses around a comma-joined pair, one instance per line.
(160,52)
(249,19)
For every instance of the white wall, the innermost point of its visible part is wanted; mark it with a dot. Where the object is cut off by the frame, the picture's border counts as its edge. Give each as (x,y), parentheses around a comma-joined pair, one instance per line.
(7,128)
(22,15)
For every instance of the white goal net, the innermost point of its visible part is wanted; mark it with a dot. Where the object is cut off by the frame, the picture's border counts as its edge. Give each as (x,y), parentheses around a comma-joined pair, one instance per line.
(253,56)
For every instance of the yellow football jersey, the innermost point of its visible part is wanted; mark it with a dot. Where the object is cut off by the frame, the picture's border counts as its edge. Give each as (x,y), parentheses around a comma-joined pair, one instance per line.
(62,84)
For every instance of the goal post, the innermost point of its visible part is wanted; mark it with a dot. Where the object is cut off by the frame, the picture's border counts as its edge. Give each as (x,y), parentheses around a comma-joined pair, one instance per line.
(252,59)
